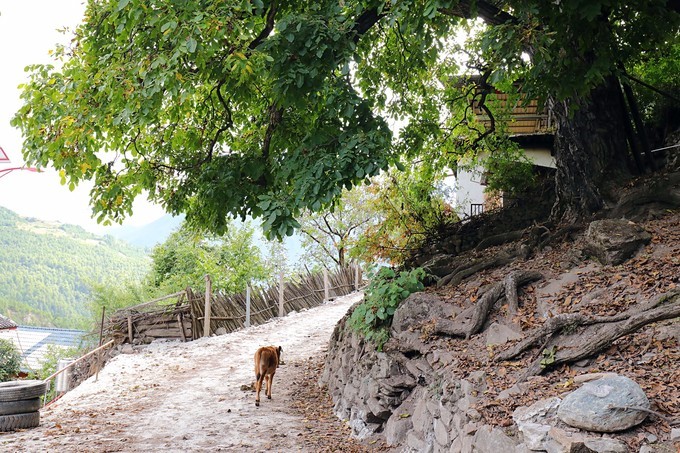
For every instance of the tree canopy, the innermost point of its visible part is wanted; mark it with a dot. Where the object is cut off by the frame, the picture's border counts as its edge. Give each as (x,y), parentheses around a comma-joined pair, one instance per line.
(266,108)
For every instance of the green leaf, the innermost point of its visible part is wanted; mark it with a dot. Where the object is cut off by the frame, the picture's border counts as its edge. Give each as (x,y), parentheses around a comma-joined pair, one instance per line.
(122,4)
(168,26)
(191,45)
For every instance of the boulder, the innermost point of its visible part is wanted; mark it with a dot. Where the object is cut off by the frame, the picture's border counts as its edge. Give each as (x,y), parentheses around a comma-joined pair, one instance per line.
(613,241)
(418,309)
(605,405)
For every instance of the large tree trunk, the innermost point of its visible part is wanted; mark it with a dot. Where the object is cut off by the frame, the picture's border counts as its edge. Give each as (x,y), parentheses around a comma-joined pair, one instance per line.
(590,150)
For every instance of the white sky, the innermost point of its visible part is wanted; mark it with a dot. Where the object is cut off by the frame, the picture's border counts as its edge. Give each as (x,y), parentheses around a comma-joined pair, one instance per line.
(28,30)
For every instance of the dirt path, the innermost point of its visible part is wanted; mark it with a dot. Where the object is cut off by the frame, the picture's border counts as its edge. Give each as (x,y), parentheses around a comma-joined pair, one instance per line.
(187,397)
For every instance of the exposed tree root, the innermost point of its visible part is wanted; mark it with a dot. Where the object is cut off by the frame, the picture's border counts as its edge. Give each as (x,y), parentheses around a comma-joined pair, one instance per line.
(540,236)
(664,192)
(464,327)
(575,336)
(465,270)
(499,239)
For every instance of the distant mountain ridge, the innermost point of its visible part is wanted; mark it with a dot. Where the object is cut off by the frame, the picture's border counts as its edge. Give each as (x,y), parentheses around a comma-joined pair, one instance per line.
(148,235)
(47,268)
(158,231)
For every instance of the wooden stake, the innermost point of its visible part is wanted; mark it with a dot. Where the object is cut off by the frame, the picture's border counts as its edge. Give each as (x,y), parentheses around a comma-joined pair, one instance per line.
(208,299)
(281,309)
(78,360)
(356,277)
(247,323)
(326,289)
(180,323)
(101,327)
(130,335)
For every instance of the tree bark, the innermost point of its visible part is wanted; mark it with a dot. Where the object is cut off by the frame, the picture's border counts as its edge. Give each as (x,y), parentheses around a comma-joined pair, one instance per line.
(590,143)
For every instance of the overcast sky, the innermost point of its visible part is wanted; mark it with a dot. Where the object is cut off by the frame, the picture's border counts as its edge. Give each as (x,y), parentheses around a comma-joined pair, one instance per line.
(28,30)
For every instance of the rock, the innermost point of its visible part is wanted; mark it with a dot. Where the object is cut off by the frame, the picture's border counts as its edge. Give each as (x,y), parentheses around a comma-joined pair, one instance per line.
(675,434)
(606,445)
(542,411)
(415,442)
(127,349)
(400,422)
(439,265)
(442,358)
(613,241)
(596,406)
(220,331)
(397,428)
(358,421)
(534,434)
(534,422)
(561,441)
(422,419)
(417,309)
(517,389)
(668,331)
(493,440)
(378,409)
(500,334)
(441,433)
(446,416)
(582,378)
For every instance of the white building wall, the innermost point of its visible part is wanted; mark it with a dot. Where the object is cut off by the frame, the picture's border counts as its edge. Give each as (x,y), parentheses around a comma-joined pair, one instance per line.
(469,190)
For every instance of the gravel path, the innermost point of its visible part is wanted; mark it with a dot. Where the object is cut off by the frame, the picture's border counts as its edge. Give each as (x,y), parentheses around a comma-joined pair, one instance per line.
(188,397)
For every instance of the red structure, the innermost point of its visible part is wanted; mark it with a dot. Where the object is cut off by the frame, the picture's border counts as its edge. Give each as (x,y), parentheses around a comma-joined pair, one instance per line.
(6,171)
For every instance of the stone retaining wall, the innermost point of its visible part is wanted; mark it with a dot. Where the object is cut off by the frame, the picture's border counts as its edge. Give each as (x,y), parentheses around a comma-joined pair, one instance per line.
(406,395)
(406,400)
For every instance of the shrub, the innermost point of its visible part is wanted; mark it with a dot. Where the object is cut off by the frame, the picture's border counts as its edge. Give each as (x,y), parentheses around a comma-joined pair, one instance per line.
(10,360)
(387,289)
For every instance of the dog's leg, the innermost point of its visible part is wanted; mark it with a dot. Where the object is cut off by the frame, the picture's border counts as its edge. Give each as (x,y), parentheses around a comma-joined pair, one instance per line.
(258,387)
(269,386)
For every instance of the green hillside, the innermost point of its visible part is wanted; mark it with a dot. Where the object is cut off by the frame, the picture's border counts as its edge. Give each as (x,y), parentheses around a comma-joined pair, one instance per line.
(46,270)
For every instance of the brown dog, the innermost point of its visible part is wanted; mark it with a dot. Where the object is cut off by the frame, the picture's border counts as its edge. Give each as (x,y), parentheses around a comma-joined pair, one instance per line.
(267,359)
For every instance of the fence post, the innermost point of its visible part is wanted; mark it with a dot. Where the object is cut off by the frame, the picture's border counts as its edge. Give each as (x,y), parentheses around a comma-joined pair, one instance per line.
(130,334)
(281,309)
(208,300)
(325,285)
(247,323)
(101,326)
(356,277)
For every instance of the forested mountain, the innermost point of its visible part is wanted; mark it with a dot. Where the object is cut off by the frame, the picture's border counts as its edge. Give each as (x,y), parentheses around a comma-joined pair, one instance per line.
(46,270)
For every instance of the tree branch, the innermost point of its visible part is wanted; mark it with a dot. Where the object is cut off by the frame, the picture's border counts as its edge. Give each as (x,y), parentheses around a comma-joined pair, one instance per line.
(486,11)
(269,26)
(275,115)
(364,22)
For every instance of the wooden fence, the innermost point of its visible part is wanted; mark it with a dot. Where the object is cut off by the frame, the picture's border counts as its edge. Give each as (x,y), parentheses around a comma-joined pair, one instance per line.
(182,316)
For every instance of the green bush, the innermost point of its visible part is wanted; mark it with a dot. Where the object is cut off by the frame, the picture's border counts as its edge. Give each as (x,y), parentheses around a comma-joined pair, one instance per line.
(10,360)
(387,289)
